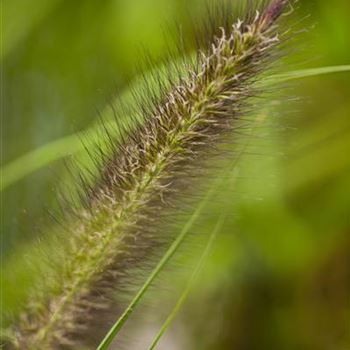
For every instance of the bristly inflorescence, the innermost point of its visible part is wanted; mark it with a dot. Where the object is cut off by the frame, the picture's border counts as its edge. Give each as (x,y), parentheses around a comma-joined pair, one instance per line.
(148,168)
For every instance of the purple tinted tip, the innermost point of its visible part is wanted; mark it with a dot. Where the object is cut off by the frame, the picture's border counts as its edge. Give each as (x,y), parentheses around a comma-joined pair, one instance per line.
(274,10)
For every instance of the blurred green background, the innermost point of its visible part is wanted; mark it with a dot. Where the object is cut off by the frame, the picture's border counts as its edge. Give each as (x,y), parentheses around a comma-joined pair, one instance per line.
(280,275)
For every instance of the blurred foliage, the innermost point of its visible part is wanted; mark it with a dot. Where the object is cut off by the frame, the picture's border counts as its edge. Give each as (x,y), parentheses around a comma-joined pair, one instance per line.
(280,275)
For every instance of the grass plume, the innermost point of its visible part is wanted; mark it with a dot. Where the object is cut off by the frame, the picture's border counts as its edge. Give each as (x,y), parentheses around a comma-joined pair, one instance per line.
(141,181)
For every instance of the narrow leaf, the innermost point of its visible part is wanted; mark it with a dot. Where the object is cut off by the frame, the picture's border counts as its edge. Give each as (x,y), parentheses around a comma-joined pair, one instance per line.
(190,283)
(306,73)
(167,256)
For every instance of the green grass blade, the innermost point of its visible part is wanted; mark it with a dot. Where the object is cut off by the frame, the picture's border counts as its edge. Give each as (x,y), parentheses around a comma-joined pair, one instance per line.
(190,283)
(306,73)
(41,157)
(170,252)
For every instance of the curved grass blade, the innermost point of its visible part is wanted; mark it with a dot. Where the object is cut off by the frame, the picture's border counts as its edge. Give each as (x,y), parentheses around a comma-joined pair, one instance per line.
(41,157)
(306,73)
(190,283)
(167,256)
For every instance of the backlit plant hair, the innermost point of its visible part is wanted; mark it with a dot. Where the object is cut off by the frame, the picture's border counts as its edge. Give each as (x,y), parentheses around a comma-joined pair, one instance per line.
(143,179)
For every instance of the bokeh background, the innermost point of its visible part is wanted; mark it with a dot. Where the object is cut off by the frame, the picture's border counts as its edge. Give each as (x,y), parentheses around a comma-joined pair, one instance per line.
(279,277)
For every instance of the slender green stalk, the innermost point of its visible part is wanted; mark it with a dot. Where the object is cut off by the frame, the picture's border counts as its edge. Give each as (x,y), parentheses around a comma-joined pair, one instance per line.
(167,256)
(190,283)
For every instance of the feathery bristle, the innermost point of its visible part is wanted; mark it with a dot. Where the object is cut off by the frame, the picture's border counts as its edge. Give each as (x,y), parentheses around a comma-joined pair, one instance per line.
(142,178)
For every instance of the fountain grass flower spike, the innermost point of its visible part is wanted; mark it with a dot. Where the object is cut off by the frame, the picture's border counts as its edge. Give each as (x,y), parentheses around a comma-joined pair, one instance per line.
(145,177)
